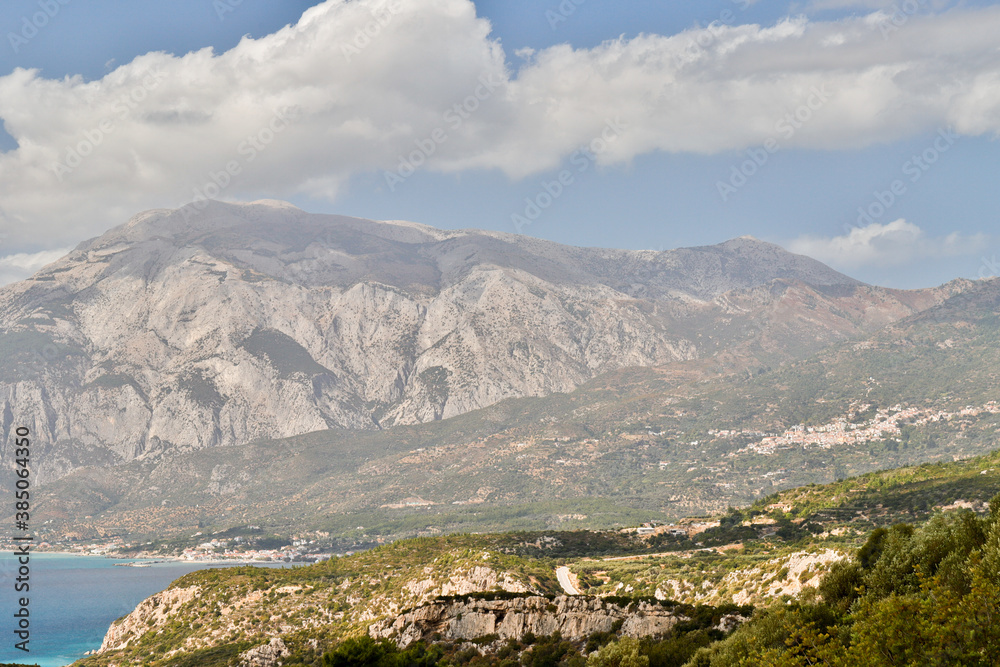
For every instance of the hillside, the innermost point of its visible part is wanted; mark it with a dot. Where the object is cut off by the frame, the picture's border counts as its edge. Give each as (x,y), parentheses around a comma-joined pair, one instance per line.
(493,597)
(186,330)
(773,547)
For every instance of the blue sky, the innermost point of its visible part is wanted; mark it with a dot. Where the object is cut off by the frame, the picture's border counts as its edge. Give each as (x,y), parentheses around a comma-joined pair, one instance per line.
(726,73)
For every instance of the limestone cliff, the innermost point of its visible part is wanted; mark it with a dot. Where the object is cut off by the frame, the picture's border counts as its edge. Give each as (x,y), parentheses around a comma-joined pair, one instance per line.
(574,618)
(153,613)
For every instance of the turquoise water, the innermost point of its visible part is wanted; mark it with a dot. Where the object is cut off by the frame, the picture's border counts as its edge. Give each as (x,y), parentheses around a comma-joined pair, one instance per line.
(73,601)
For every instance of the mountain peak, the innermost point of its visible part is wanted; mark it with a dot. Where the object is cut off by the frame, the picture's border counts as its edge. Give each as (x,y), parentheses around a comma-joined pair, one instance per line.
(275,203)
(275,238)
(749,242)
(746,261)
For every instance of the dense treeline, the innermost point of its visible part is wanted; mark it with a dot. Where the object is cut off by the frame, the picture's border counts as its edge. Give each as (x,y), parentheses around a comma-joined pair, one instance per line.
(603,649)
(910,596)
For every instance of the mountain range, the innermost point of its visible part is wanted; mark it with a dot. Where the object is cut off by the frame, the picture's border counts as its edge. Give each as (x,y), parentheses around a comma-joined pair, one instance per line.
(253,364)
(223,325)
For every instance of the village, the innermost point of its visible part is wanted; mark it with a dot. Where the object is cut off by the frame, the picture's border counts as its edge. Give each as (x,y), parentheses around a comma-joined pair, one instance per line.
(886,423)
(211,551)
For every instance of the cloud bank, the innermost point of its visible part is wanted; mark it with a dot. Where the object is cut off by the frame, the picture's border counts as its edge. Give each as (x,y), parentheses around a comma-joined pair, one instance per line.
(17,266)
(892,244)
(374,86)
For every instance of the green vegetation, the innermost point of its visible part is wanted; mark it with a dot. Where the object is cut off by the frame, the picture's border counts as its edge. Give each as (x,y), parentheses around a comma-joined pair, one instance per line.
(927,595)
(435,379)
(879,498)
(220,613)
(603,649)
(31,354)
(365,652)
(909,594)
(202,390)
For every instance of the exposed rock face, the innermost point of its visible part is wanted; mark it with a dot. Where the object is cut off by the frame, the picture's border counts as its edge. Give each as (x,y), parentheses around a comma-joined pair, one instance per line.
(573,617)
(152,612)
(189,329)
(481,579)
(795,566)
(267,655)
(237,611)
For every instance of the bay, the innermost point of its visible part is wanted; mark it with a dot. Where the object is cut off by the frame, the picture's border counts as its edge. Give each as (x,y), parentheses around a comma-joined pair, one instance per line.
(74,599)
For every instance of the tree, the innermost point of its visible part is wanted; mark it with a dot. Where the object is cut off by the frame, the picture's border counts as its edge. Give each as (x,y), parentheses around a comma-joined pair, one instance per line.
(911,596)
(624,652)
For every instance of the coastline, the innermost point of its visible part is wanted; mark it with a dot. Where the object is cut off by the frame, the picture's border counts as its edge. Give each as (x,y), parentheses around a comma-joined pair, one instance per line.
(149,561)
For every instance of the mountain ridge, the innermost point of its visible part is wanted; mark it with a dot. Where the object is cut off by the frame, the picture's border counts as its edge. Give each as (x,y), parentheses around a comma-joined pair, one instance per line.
(228,323)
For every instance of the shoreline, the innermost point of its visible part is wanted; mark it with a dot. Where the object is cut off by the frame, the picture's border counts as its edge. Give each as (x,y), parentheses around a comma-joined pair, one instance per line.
(77,554)
(156,560)
(160,559)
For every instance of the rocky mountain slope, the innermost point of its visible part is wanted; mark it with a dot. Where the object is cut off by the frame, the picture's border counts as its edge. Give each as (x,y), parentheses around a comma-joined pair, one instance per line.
(574,618)
(317,604)
(457,589)
(628,446)
(189,329)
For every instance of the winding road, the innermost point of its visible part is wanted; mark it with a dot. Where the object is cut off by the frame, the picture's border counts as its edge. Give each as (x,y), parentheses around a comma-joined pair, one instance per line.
(566,580)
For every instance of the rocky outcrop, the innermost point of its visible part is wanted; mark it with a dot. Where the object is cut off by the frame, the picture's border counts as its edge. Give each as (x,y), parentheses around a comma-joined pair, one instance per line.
(464,581)
(481,578)
(798,571)
(266,655)
(574,617)
(153,612)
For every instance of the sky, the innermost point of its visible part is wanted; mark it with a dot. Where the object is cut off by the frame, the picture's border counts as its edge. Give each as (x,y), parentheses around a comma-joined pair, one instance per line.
(860,132)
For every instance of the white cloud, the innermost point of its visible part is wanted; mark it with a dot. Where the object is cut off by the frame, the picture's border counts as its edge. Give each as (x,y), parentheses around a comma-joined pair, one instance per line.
(891,244)
(821,5)
(22,265)
(159,127)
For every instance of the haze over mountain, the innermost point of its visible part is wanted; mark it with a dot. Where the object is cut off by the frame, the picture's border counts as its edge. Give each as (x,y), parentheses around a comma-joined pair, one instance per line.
(197,328)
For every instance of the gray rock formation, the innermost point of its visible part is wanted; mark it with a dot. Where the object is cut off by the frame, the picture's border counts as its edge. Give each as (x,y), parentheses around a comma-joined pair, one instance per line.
(193,328)
(266,655)
(573,617)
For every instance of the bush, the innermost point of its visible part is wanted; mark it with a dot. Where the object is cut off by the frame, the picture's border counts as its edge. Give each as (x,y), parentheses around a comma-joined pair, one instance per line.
(624,652)
(911,596)
(365,651)
(839,586)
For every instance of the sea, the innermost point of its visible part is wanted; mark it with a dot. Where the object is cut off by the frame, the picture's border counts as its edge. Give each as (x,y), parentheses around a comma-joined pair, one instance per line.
(73,599)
